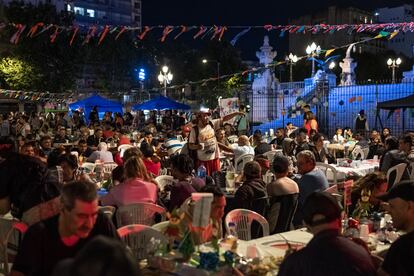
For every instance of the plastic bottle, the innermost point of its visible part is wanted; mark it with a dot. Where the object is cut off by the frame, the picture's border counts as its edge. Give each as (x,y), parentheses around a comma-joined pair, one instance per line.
(230,178)
(202,172)
(232,229)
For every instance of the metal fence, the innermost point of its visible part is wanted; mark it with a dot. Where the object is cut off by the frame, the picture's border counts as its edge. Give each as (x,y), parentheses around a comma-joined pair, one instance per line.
(334,106)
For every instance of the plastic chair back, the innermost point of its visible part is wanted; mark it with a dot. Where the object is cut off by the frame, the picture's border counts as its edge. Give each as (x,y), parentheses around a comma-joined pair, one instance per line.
(242,160)
(161,226)
(137,237)
(109,167)
(399,171)
(139,213)
(108,211)
(330,172)
(90,167)
(281,212)
(358,153)
(123,148)
(243,219)
(164,180)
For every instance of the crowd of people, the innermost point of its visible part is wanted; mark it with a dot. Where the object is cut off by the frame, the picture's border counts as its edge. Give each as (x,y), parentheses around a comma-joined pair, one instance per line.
(45,184)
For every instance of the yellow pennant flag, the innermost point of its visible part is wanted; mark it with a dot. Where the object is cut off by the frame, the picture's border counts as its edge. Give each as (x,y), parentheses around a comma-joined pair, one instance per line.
(328,52)
(393,34)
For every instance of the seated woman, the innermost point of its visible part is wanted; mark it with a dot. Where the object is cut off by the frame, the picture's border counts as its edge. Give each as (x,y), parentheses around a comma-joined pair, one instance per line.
(338,138)
(151,160)
(138,186)
(321,155)
(182,168)
(364,194)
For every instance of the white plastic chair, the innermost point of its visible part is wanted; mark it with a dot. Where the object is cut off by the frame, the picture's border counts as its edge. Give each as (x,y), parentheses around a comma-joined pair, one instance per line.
(137,237)
(270,155)
(164,180)
(399,170)
(161,226)
(243,219)
(123,148)
(139,213)
(75,153)
(233,139)
(326,168)
(242,160)
(90,167)
(109,167)
(358,151)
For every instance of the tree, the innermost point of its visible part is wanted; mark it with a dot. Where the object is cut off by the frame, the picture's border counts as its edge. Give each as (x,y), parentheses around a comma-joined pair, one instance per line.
(17,74)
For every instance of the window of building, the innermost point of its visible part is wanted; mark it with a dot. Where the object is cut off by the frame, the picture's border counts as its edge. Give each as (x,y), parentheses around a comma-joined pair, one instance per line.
(90,13)
(100,14)
(137,5)
(79,11)
(68,7)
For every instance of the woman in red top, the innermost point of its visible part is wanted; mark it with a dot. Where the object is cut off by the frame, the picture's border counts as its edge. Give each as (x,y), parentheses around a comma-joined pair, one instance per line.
(311,122)
(151,160)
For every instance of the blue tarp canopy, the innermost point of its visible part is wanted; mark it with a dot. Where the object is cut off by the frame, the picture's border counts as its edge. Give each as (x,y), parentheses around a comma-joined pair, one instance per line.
(103,105)
(161,103)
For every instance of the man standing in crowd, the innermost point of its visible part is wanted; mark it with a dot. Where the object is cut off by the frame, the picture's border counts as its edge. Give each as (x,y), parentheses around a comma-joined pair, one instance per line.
(203,140)
(50,241)
(400,256)
(328,253)
(361,123)
(242,122)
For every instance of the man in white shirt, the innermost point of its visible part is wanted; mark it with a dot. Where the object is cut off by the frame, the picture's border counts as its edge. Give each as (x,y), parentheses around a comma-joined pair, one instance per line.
(101,154)
(203,140)
(241,148)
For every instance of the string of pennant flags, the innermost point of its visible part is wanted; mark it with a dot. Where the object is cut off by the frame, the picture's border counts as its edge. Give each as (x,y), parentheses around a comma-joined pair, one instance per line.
(62,97)
(101,32)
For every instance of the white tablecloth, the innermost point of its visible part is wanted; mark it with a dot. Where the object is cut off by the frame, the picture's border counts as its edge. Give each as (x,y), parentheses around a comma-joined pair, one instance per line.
(363,168)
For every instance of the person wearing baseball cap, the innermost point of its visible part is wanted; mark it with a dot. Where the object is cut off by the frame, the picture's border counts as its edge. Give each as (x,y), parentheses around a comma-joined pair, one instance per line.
(327,253)
(400,256)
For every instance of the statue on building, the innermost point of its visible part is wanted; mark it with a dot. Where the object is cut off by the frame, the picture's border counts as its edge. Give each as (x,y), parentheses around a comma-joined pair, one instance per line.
(348,68)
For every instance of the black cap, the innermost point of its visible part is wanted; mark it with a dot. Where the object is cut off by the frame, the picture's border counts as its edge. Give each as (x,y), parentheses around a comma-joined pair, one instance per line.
(403,190)
(321,203)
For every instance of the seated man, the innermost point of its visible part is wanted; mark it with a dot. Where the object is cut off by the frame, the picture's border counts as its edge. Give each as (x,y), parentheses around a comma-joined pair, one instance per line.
(50,241)
(301,141)
(243,147)
(328,253)
(398,260)
(101,154)
(280,136)
(312,180)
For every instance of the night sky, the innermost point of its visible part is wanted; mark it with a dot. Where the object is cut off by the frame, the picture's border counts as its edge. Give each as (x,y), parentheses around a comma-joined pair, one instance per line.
(242,12)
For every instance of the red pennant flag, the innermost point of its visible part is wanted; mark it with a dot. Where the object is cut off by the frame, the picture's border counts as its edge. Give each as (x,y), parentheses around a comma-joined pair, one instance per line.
(55,34)
(166,32)
(123,29)
(144,33)
(33,29)
(75,31)
(268,27)
(183,30)
(103,34)
(16,36)
(91,33)
(200,32)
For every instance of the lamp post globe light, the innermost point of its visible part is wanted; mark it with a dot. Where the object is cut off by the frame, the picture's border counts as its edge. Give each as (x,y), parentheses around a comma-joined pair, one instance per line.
(291,60)
(165,77)
(393,64)
(205,61)
(313,50)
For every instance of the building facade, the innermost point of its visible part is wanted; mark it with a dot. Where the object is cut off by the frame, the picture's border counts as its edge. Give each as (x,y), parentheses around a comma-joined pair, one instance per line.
(402,43)
(112,12)
(335,16)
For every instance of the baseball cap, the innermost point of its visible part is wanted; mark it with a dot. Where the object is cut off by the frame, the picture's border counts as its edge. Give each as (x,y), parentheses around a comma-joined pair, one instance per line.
(403,190)
(321,203)
(362,112)
(205,110)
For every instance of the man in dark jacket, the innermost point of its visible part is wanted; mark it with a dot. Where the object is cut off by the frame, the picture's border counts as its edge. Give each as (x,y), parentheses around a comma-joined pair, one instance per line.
(328,253)
(252,195)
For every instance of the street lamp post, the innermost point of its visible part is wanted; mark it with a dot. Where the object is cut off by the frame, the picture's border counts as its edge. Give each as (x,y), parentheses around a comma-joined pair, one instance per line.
(218,70)
(313,50)
(165,77)
(291,60)
(393,64)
